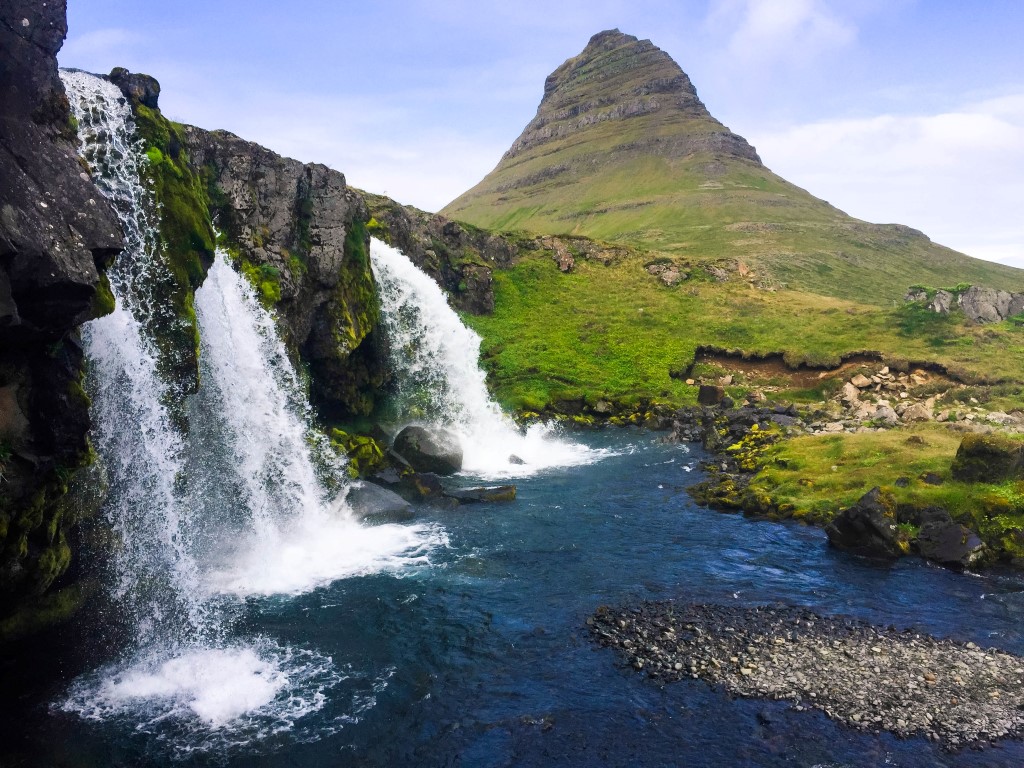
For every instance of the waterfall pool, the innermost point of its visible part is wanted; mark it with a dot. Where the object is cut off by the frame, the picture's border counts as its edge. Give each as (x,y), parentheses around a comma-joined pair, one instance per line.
(481,657)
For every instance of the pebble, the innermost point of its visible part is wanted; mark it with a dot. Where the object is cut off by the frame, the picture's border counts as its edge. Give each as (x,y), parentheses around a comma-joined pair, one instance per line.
(966,697)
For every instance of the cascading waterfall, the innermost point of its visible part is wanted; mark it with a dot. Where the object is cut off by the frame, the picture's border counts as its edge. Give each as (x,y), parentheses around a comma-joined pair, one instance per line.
(238,507)
(435,358)
(156,581)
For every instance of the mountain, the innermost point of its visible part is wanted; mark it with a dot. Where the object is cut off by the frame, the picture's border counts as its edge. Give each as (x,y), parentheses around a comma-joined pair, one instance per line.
(622,149)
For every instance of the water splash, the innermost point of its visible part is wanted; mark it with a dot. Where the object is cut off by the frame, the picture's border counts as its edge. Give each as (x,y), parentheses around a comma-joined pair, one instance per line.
(291,537)
(439,380)
(240,506)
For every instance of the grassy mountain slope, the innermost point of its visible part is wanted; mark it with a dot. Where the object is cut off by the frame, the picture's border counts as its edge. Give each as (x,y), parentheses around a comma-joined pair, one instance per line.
(614,331)
(622,150)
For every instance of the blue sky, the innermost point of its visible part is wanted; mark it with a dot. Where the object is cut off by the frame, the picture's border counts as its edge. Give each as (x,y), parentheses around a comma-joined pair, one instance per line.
(894,110)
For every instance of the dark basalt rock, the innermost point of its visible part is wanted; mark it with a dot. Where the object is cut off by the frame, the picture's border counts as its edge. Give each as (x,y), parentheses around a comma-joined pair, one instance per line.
(300,232)
(488,493)
(988,458)
(373,504)
(429,449)
(57,234)
(140,88)
(950,544)
(710,394)
(867,528)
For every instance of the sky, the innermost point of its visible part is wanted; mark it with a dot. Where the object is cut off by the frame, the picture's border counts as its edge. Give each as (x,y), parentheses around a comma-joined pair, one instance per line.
(908,111)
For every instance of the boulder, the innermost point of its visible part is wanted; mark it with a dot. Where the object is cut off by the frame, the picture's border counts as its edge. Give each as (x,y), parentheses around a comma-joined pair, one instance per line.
(867,528)
(918,412)
(513,459)
(860,381)
(949,543)
(988,458)
(886,414)
(988,305)
(710,394)
(373,504)
(483,494)
(429,449)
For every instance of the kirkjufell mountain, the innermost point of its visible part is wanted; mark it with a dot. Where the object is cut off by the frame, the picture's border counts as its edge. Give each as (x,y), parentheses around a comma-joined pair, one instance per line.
(622,149)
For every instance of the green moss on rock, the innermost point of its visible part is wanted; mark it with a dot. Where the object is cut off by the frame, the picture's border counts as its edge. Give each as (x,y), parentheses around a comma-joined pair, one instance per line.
(988,459)
(187,240)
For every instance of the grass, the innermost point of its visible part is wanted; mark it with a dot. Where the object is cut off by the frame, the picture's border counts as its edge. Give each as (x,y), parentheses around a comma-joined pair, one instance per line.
(818,475)
(615,331)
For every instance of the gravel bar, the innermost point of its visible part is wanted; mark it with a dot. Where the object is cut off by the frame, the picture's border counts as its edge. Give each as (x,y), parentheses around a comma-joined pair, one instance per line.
(868,677)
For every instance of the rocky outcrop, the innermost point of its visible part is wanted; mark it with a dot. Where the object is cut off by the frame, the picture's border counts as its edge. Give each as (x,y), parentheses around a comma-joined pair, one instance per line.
(57,234)
(979,304)
(988,305)
(299,233)
(867,528)
(462,258)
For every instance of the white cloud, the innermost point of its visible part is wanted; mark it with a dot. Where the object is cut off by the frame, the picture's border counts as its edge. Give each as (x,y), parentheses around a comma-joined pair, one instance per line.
(769,31)
(954,175)
(99,50)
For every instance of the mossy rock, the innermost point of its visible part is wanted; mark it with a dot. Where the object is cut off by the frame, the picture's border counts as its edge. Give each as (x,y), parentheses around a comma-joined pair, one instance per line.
(990,458)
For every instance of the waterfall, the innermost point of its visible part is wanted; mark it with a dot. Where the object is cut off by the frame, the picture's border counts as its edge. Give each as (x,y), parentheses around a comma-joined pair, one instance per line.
(155,578)
(239,507)
(435,359)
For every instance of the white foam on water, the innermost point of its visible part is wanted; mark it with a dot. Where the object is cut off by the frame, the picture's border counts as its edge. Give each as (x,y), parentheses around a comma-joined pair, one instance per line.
(209,698)
(308,557)
(435,358)
(296,539)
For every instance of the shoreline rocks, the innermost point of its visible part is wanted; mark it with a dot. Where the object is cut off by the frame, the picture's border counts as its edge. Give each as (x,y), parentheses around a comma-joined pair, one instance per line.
(867,677)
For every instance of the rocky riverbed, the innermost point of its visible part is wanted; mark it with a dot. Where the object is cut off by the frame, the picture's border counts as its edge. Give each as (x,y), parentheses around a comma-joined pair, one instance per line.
(865,676)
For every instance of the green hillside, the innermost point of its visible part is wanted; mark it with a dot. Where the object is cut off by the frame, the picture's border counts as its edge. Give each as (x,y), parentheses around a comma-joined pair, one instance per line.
(623,150)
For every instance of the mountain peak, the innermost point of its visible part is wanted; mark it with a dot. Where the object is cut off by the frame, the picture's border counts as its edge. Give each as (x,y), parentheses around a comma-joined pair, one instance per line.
(615,77)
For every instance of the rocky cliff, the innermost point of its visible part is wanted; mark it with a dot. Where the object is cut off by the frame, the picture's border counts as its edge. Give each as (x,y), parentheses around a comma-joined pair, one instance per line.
(299,233)
(57,234)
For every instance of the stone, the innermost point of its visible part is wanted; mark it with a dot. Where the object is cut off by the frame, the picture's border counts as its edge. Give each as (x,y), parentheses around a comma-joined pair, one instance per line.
(988,305)
(917,412)
(490,493)
(860,381)
(710,394)
(305,224)
(867,528)
(885,414)
(57,235)
(988,458)
(429,449)
(513,459)
(373,504)
(950,544)
(849,394)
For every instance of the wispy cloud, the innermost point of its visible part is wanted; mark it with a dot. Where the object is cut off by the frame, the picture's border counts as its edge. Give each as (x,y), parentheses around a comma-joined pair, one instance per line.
(955,175)
(96,50)
(770,31)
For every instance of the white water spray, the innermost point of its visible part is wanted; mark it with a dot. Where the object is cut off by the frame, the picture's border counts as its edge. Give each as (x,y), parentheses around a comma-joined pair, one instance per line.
(154,574)
(439,380)
(239,507)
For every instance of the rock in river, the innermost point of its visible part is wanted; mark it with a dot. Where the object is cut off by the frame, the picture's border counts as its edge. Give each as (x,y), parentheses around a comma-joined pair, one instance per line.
(429,449)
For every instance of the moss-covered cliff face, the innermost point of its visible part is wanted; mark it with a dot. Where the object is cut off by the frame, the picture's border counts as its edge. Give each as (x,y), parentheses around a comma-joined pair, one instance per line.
(298,232)
(57,234)
(186,238)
